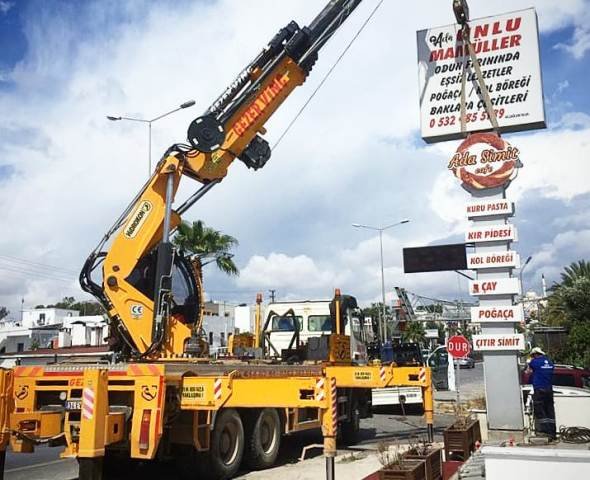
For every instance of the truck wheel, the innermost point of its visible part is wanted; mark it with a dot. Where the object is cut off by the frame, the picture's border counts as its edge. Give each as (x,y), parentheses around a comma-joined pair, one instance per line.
(263,433)
(227,445)
(350,429)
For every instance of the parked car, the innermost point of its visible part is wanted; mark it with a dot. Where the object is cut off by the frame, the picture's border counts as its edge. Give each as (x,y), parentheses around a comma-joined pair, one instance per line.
(466,362)
(564,376)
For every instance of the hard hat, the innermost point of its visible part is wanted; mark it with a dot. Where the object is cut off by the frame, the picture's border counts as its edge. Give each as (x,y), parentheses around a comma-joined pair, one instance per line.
(537,350)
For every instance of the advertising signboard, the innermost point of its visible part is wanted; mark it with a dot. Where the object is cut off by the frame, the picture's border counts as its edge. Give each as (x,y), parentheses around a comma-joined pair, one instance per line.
(497,314)
(498,342)
(507,49)
(438,258)
(476,261)
(491,233)
(485,160)
(486,208)
(500,286)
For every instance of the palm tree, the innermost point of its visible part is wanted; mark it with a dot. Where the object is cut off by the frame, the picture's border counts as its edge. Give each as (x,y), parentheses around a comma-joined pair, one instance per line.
(559,303)
(206,245)
(575,271)
(414,332)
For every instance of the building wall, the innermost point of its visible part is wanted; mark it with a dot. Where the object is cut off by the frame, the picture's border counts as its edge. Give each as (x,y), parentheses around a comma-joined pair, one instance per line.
(218,323)
(39,317)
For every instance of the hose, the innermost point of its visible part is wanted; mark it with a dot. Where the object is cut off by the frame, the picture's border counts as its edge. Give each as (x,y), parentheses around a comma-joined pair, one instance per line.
(574,434)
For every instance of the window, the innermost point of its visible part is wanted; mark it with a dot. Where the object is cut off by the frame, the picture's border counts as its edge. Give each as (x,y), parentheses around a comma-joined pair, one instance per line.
(222,339)
(41,319)
(20,347)
(319,323)
(586,381)
(210,338)
(285,323)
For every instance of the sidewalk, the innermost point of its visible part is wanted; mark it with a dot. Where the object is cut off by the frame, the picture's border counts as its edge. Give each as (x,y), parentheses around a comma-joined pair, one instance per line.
(355,464)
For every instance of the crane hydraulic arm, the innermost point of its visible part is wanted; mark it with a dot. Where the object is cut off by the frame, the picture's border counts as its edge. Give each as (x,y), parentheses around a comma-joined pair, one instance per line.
(150,291)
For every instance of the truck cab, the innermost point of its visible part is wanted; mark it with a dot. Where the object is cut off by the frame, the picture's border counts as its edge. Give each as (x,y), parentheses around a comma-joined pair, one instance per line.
(312,318)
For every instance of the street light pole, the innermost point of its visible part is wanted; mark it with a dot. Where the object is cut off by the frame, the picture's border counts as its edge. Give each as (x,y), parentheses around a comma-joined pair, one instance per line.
(186,104)
(382,323)
(520,276)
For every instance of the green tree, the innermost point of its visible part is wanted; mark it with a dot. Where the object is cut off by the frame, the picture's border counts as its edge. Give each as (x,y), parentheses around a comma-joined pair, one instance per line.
(414,332)
(206,245)
(571,273)
(3,312)
(375,311)
(65,303)
(569,306)
(85,307)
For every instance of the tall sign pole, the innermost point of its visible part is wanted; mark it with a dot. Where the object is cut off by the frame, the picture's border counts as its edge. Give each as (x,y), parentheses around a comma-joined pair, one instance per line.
(480,79)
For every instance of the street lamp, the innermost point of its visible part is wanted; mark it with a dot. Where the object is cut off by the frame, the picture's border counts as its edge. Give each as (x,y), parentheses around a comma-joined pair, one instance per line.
(520,276)
(187,104)
(382,326)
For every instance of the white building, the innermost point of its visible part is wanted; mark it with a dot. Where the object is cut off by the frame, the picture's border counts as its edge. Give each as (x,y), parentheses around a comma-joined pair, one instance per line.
(83,331)
(218,323)
(51,328)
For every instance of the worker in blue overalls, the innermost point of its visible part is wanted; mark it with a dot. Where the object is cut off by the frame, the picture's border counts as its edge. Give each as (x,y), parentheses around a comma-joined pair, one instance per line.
(542,371)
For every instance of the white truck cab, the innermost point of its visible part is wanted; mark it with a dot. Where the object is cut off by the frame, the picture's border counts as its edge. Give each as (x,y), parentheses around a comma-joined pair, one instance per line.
(313,320)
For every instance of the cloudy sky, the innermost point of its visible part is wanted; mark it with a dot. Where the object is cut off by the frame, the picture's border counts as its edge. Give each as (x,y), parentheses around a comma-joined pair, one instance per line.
(355,155)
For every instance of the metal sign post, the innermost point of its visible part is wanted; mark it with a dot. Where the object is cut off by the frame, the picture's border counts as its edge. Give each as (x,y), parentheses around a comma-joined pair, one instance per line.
(458,347)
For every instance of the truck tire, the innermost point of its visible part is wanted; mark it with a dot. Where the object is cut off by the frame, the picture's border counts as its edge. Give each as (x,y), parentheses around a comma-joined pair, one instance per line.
(263,435)
(350,429)
(227,445)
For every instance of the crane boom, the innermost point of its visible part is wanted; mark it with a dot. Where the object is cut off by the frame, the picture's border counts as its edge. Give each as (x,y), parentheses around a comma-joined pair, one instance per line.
(140,268)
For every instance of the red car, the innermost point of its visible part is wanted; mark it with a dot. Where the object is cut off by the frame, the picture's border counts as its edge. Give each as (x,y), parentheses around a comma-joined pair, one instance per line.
(564,376)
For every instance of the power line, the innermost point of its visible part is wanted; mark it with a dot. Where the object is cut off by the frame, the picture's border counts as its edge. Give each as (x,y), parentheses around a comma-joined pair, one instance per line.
(29,273)
(298,114)
(36,264)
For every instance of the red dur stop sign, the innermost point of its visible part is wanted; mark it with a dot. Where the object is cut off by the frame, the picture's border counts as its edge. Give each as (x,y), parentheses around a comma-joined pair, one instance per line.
(458,346)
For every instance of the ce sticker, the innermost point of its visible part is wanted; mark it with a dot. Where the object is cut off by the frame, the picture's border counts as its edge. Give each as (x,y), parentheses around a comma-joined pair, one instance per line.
(136,311)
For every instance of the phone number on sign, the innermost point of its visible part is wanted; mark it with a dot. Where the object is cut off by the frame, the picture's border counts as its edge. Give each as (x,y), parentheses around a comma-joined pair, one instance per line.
(469,118)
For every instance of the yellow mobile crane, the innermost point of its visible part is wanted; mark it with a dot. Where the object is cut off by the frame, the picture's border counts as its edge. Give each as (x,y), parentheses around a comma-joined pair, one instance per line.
(162,397)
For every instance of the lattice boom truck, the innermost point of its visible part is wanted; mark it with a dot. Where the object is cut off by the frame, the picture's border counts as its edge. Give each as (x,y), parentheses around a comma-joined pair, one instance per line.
(163,397)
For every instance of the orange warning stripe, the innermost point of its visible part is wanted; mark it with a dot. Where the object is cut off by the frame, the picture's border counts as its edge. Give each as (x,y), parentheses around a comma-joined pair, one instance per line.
(28,371)
(141,369)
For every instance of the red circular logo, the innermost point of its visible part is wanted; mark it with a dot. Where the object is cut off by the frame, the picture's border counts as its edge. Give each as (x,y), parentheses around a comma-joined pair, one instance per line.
(484,160)
(458,346)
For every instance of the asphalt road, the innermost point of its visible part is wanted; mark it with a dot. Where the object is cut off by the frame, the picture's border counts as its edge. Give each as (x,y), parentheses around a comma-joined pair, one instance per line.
(471,384)
(387,425)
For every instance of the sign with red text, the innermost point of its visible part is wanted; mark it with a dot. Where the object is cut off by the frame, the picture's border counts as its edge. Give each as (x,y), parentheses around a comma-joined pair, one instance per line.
(498,342)
(486,208)
(476,261)
(500,286)
(485,160)
(497,314)
(507,49)
(491,233)
(458,346)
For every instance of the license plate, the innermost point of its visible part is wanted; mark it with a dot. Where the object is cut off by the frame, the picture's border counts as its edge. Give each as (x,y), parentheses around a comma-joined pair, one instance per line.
(73,404)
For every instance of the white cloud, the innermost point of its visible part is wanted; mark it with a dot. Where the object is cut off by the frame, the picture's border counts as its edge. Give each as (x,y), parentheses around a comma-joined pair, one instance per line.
(349,158)
(281,271)
(5,6)
(565,248)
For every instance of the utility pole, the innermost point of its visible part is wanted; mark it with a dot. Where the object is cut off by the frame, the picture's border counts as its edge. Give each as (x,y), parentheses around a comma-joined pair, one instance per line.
(272,295)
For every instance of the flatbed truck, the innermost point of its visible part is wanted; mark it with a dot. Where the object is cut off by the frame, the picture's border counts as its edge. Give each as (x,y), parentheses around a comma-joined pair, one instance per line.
(162,396)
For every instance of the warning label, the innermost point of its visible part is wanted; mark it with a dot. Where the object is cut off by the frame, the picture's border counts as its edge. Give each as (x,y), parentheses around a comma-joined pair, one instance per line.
(193,392)
(363,376)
